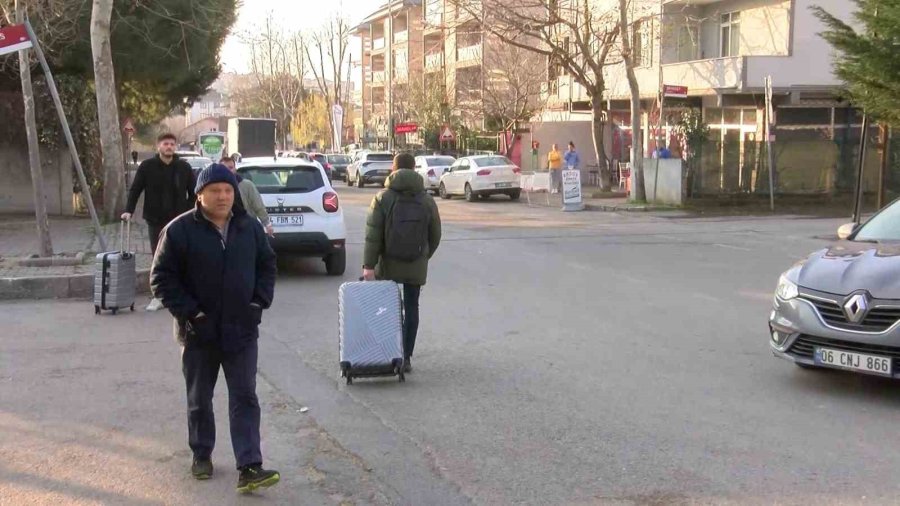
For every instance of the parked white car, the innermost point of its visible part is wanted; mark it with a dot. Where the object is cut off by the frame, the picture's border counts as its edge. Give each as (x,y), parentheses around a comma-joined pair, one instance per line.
(431,168)
(370,167)
(481,176)
(303,206)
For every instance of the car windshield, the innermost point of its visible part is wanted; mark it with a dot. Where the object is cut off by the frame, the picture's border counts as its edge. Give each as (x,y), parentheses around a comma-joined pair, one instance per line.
(884,226)
(439,161)
(339,159)
(320,158)
(199,163)
(493,161)
(300,179)
(380,157)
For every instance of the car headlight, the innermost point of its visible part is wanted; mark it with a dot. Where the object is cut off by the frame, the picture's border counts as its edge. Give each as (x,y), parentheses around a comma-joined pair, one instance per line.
(787,289)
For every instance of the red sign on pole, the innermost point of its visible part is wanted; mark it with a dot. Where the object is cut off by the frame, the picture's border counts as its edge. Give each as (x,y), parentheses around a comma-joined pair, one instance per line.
(13,38)
(406,128)
(673,91)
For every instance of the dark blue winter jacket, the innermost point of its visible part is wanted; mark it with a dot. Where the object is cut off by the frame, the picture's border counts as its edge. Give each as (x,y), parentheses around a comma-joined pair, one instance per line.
(231,281)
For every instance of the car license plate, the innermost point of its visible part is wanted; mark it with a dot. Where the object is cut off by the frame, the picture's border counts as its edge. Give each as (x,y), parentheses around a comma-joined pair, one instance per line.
(504,185)
(840,359)
(287,220)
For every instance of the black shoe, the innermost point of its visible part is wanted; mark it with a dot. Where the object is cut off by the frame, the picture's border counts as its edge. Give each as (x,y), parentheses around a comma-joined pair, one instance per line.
(407,366)
(254,477)
(202,469)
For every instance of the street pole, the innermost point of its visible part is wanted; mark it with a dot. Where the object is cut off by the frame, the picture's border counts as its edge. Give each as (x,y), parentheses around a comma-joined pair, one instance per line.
(770,116)
(885,161)
(390,76)
(54,93)
(863,140)
(45,245)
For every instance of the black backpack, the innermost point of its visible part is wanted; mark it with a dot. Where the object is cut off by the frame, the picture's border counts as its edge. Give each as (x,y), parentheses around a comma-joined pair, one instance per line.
(407,237)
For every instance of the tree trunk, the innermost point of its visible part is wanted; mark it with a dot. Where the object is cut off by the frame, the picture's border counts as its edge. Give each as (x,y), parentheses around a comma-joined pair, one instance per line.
(107,109)
(34,154)
(597,127)
(637,159)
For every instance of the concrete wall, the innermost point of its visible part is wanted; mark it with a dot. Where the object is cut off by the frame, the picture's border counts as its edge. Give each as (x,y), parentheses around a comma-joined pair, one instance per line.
(666,188)
(561,132)
(15,191)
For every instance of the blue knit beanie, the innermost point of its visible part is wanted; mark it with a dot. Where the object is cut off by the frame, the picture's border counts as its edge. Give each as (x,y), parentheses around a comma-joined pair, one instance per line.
(215,173)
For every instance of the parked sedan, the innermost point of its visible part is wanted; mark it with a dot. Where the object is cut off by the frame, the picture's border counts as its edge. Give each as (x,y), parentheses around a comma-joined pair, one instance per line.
(432,168)
(480,177)
(840,307)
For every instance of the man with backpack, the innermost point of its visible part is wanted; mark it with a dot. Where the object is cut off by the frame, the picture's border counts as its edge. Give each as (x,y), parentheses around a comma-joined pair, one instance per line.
(403,230)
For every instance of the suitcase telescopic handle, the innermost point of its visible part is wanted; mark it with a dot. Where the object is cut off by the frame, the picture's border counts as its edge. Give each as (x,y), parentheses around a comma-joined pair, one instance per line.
(125,236)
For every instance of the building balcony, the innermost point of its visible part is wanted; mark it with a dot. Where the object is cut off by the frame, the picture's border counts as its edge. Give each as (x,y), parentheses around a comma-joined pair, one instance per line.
(468,56)
(704,76)
(401,37)
(378,44)
(378,77)
(434,62)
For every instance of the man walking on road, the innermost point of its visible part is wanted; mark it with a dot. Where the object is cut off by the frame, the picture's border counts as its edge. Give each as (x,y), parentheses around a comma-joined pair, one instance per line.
(167,184)
(571,157)
(554,164)
(403,230)
(250,197)
(215,272)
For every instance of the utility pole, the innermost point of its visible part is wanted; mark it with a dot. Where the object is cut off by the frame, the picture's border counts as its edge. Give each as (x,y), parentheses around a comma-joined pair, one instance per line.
(863,141)
(34,155)
(390,74)
(770,137)
(885,162)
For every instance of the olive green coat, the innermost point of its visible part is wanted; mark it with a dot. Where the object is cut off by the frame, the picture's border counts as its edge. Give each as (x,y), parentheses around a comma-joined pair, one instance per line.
(377,227)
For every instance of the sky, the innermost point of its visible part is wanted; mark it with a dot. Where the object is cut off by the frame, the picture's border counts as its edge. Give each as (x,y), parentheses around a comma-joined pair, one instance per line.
(291,14)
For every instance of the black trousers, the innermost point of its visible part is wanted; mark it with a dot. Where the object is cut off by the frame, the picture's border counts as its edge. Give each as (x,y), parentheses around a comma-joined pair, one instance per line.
(411,317)
(200,365)
(153,231)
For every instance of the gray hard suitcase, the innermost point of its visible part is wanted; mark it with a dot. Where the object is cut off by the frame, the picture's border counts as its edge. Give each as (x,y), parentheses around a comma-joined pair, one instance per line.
(115,276)
(371,330)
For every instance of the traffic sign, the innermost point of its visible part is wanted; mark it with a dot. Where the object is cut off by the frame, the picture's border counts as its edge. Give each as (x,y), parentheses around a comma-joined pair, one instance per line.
(13,38)
(674,91)
(406,128)
(447,133)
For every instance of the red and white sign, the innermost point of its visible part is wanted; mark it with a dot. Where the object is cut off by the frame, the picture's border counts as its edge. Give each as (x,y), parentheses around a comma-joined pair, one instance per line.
(670,90)
(13,38)
(447,133)
(406,128)
(128,127)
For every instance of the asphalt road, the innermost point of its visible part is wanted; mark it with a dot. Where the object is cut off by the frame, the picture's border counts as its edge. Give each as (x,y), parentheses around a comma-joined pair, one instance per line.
(603,358)
(563,358)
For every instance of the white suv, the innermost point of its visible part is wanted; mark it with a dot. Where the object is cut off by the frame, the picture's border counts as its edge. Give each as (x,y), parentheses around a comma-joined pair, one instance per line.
(369,168)
(303,206)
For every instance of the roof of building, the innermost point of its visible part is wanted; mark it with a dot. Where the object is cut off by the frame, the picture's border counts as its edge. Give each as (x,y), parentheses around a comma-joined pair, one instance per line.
(382,12)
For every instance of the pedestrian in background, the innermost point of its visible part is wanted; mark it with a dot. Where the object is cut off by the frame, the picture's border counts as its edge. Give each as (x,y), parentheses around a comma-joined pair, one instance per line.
(167,183)
(250,198)
(421,232)
(554,164)
(571,157)
(215,272)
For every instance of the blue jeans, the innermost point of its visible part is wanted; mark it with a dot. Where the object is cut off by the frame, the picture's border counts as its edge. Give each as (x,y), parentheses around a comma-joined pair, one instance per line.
(200,364)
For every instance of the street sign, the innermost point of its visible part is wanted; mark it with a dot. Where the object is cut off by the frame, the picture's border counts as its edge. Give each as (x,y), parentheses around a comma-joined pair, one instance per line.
(128,127)
(671,90)
(447,134)
(571,184)
(406,128)
(13,38)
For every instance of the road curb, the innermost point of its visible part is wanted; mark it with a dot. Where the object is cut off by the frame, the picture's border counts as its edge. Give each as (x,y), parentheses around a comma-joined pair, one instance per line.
(76,286)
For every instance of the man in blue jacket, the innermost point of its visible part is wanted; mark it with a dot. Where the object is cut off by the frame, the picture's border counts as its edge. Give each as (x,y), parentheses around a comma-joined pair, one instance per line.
(215,272)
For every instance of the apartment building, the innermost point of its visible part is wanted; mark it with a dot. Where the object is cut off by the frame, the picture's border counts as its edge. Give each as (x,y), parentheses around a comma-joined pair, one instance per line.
(722,51)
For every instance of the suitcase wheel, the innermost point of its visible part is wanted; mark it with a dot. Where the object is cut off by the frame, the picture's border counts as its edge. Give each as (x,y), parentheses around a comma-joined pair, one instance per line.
(115,310)
(96,310)
(349,379)
(132,308)
(402,377)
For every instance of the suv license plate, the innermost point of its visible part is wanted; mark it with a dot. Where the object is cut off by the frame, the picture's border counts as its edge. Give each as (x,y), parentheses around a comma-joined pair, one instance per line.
(287,220)
(840,359)
(504,185)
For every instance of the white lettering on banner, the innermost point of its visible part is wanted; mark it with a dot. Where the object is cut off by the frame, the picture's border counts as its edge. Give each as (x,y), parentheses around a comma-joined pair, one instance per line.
(2,37)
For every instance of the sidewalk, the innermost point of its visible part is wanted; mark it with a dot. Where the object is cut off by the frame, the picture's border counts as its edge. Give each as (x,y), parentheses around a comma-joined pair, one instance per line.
(607,203)
(94,413)
(70,235)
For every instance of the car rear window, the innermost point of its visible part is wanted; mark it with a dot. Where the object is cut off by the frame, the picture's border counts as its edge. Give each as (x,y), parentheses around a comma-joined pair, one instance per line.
(493,161)
(320,158)
(438,161)
(380,157)
(300,179)
(340,159)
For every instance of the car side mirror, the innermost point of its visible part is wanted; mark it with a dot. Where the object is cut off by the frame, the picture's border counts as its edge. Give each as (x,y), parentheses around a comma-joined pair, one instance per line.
(846,230)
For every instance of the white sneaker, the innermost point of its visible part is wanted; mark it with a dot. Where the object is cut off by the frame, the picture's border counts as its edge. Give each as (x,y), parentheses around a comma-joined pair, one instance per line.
(155,305)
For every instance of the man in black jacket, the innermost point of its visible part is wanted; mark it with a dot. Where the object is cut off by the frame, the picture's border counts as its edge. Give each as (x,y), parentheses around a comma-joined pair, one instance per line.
(167,183)
(215,272)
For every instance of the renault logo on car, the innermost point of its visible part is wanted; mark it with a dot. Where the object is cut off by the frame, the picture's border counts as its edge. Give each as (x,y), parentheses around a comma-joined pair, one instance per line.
(856,307)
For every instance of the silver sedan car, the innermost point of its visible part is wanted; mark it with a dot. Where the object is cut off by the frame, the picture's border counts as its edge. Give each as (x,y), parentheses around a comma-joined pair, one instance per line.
(840,307)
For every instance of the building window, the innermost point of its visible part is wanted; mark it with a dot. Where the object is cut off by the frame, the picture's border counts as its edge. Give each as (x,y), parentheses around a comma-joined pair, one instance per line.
(730,38)
(688,42)
(640,43)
